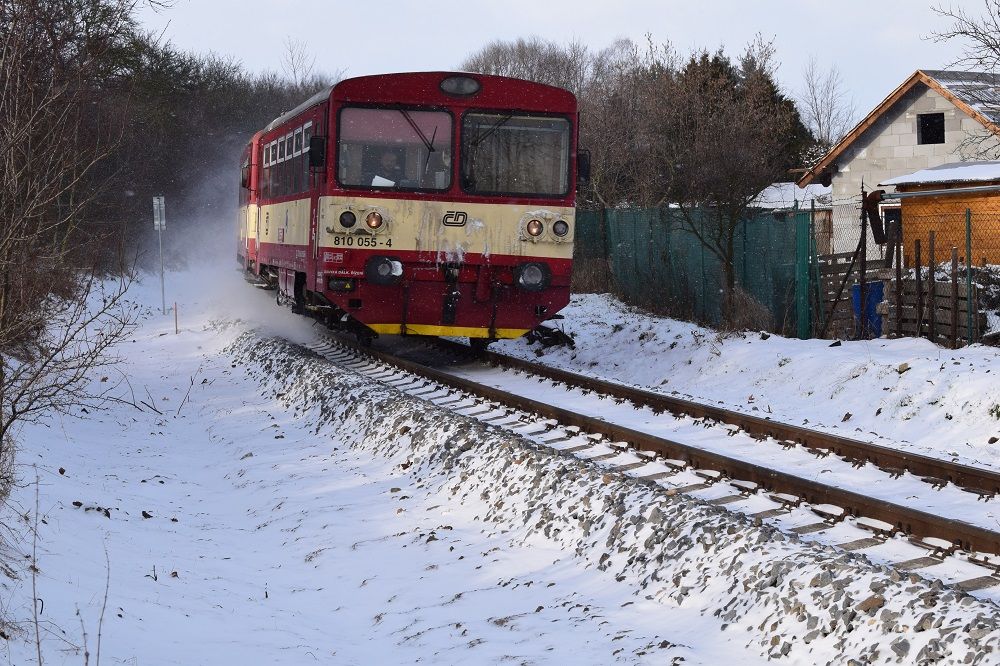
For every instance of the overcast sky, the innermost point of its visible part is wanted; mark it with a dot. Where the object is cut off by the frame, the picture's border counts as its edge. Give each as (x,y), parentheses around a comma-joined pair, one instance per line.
(875,44)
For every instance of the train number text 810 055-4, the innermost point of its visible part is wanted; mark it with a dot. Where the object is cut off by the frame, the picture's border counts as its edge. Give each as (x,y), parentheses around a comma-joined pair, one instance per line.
(361,241)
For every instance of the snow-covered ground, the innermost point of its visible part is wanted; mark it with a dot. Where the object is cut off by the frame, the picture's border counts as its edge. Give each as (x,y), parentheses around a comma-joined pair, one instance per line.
(229,528)
(264,507)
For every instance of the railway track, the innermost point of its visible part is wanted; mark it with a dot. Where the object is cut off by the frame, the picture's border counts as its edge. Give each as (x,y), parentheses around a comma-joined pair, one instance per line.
(851,519)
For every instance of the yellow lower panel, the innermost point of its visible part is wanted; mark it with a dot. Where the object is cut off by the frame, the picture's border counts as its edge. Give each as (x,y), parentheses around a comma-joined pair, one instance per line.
(456,331)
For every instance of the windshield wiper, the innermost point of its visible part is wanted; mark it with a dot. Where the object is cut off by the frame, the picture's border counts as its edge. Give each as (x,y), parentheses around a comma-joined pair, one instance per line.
(429,144)
(430,151)
(469,177)
(493,128)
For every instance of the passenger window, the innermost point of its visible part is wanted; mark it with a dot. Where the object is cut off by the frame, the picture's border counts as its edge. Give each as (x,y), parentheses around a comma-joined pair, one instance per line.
(296,168)
(306,135)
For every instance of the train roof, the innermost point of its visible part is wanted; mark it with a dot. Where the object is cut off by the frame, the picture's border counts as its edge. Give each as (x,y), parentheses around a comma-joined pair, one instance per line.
(319,97)
(424,87)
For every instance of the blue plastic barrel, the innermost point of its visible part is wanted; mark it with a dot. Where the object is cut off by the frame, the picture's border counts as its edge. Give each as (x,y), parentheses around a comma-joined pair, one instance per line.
(873,296)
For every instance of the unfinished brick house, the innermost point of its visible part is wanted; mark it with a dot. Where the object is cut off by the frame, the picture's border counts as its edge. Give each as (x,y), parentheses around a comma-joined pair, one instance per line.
(933,118)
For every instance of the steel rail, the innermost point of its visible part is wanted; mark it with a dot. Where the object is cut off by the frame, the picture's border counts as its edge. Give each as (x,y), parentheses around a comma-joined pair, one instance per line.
(914,522)
(983,481)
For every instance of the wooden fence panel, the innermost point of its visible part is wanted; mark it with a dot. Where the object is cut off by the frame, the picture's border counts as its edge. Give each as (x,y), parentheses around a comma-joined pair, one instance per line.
(946,323)
(946,302)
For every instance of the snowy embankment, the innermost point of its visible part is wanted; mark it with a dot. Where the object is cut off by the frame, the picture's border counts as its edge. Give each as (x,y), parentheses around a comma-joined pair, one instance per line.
(903,393)
(258,505)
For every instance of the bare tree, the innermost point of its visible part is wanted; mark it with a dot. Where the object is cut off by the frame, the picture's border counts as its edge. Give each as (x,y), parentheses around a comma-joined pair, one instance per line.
(59,316)
(613,113)
(825,106)
(296,62)
(980,36)
(534,59)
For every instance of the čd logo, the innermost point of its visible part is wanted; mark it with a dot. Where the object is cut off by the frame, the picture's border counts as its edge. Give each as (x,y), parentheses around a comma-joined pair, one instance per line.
(454,218)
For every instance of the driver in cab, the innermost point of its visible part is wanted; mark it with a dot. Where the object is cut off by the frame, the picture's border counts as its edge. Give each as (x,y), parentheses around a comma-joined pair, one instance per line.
(388,172)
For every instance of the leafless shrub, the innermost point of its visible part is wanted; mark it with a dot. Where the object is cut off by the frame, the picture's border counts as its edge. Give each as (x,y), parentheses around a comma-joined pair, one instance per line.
(592,275)
(743,312)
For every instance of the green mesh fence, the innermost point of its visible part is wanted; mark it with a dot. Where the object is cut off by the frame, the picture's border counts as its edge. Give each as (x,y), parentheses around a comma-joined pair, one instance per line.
(656,262)
(589,242)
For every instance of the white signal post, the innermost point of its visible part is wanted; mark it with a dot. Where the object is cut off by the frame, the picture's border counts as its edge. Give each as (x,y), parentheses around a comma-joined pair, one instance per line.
(160,223)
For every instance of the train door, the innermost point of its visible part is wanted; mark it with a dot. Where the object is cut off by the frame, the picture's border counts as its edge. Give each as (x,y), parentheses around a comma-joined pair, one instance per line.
(244,235)
(314,178)
(255,242)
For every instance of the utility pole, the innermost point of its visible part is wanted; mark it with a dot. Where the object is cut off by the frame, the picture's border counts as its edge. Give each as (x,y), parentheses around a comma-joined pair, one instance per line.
(160,223)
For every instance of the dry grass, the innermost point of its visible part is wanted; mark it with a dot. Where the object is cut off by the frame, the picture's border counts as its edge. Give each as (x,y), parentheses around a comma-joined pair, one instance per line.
(743,312)
(592,275)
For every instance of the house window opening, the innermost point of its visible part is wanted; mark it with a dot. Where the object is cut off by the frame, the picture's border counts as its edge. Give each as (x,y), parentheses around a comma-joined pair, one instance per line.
(930,128)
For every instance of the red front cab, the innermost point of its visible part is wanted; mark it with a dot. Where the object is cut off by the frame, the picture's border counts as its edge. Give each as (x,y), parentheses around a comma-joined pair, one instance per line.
(430,203)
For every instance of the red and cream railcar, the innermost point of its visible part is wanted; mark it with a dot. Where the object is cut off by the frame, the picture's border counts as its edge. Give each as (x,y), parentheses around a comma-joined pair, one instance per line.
(427,203)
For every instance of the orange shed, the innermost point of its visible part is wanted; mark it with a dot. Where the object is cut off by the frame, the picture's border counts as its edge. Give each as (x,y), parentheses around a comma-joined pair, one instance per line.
(937,199)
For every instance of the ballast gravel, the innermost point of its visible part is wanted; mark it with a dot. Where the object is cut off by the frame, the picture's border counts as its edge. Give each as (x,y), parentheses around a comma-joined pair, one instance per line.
(781,597)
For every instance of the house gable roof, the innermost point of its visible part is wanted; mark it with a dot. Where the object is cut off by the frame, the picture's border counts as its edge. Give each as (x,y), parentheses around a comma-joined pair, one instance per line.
(977,94)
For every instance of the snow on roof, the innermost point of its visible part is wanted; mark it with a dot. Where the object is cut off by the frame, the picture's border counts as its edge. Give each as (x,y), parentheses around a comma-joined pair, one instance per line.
(953,172)
(787,195)
(980,90)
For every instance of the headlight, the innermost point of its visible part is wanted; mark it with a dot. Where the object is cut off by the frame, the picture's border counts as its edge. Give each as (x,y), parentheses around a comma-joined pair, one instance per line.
(374,220)
(383,270)
(347,219)
(560,228)
(460,86)
(532,277)
(535,227)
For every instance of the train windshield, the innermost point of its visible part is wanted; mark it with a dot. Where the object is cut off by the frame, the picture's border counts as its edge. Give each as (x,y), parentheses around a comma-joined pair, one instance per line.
(394,149)
(506,153)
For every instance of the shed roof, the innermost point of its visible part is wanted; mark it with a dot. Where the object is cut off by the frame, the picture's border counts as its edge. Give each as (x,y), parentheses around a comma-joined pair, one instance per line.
(954,172)
(975,93)
(789,195)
